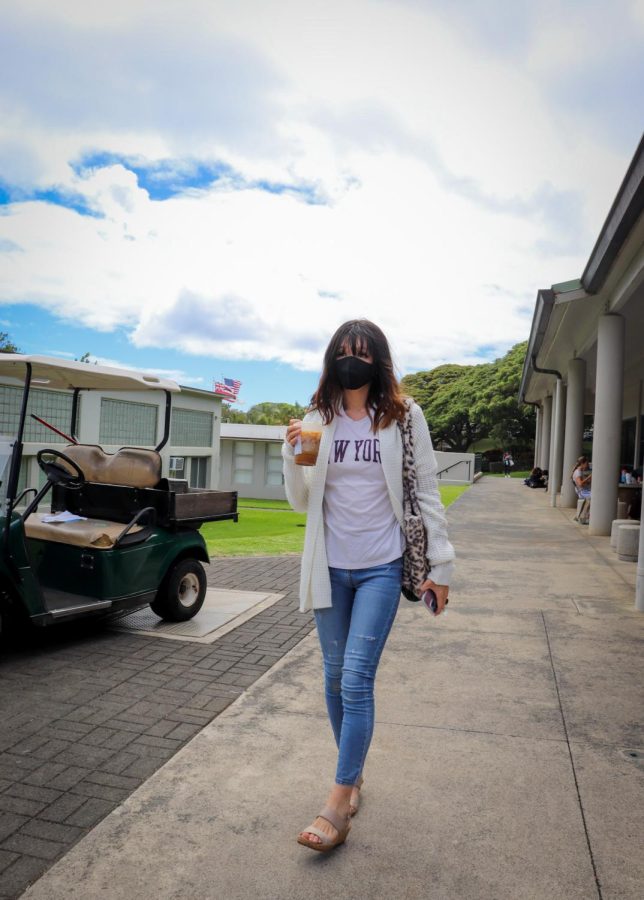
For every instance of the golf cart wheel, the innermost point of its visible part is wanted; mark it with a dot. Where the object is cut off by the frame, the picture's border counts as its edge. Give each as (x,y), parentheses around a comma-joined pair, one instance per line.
(182,593)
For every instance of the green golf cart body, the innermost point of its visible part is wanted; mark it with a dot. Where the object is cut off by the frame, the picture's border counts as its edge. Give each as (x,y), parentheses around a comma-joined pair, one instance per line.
(106,532)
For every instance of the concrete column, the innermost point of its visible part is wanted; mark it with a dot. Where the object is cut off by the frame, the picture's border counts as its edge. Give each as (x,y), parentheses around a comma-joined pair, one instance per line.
(558,420)
(537,435)
(545,433)
(609,400)
(553,416)
(638,429)
(574,431)
(639,590)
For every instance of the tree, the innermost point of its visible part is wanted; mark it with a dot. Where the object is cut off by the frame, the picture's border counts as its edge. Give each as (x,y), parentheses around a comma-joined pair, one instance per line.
(445,396)
(6,344)
(275,413)
(228,414)
(264,413)
(508,422)
(463,404)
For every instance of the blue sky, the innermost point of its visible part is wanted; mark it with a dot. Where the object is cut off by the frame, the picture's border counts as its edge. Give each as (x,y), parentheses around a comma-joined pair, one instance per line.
(35,330)
(207,188)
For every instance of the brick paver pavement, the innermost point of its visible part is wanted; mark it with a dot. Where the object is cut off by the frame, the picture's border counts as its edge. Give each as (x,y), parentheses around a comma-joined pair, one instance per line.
(89,713)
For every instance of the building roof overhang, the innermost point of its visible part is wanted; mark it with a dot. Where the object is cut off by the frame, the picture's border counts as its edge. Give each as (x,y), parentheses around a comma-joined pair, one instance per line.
(621,219)
(540,320)
(251,432)
(566,315)
(200,392)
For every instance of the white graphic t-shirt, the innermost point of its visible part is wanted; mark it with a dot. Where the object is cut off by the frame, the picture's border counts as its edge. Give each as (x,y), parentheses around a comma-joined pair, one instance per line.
(360,527)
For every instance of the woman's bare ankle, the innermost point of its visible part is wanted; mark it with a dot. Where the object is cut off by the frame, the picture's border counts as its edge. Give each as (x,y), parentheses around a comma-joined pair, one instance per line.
(340,798)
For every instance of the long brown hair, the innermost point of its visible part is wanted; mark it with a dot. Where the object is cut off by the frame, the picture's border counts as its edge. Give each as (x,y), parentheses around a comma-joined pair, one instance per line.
(580,462)
(385,395)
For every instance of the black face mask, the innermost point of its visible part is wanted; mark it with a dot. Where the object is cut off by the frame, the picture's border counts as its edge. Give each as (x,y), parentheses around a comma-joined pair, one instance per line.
(353,372)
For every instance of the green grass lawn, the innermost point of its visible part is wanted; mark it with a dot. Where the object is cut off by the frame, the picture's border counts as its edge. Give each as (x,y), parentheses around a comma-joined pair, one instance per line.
(254,503)
(451,492)
(271,528)
(259,532)
(521,474)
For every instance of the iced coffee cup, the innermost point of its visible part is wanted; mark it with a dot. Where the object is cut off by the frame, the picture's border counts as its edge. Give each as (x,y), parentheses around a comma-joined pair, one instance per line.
(308,445)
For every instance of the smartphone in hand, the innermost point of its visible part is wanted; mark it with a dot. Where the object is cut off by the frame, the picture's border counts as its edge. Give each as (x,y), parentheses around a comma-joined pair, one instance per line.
(430,601)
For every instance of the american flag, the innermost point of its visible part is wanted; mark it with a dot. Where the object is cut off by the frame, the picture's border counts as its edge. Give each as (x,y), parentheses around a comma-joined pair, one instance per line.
(228,388)
(233,384)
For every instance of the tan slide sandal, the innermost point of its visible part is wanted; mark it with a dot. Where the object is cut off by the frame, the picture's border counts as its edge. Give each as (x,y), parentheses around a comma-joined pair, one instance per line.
(326,843)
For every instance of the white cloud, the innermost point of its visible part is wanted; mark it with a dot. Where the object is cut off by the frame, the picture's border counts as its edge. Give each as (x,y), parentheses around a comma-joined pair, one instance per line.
(452,190)
(177,375)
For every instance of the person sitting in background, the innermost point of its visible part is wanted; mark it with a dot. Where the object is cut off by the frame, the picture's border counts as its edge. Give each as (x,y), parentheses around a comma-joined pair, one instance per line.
(535,479)
(581,476)
(633,476)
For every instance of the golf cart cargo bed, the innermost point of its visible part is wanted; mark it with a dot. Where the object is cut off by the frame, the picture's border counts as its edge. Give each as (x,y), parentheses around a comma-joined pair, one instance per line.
(176,505)
(201,505)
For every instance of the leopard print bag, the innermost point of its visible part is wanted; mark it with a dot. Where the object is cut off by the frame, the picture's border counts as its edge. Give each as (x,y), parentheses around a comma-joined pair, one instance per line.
(416,566)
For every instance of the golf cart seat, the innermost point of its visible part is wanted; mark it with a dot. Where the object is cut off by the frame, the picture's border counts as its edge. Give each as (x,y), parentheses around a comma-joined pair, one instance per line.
(95,533)
(129,467)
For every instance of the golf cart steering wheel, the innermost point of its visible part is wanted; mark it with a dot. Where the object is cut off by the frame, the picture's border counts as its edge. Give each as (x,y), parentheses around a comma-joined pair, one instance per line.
(58,474)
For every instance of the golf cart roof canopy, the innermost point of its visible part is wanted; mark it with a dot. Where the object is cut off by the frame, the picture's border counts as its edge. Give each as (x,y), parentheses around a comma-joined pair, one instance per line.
(61,374)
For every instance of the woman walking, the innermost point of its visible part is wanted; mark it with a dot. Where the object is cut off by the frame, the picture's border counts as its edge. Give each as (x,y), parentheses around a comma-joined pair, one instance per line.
(353,547)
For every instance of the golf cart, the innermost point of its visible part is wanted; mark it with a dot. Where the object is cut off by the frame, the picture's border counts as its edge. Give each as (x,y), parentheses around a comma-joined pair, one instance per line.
(105,532)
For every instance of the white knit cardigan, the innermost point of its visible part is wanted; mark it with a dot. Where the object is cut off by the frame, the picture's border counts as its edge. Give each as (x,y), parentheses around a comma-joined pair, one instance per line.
(305,492)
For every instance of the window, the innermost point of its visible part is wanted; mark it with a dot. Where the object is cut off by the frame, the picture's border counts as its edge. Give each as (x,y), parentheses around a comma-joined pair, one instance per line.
(587,443)
(53,406)
(243,457)
(191,428)
(627,448)
(177,467)
(198,471)
(274,464)
(124,423)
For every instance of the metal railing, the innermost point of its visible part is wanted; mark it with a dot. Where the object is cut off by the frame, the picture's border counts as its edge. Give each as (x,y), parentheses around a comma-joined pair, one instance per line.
(459,462)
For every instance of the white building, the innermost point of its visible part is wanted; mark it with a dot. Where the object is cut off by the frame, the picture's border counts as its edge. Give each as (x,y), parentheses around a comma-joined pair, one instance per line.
(251,460)
(586,357)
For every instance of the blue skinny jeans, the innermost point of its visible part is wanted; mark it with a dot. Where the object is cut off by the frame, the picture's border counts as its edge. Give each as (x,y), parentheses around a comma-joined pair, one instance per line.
(352,635)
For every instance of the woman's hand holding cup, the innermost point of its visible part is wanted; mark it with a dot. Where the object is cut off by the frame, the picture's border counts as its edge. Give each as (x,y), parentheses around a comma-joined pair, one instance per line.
(305,440)
(293,431)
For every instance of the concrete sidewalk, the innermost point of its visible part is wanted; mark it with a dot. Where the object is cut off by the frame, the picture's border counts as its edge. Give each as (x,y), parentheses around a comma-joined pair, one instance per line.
(507,760)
